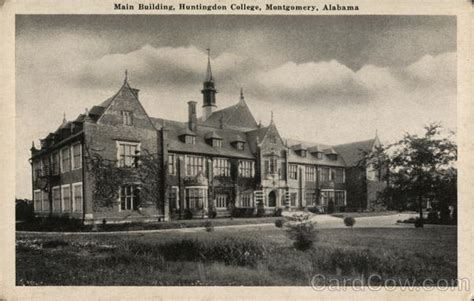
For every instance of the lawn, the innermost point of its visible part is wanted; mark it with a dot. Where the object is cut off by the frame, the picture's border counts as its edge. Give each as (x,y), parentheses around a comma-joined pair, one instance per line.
(247,256)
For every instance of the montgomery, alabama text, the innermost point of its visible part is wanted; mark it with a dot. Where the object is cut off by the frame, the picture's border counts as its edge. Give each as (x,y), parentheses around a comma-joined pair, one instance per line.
(234,7)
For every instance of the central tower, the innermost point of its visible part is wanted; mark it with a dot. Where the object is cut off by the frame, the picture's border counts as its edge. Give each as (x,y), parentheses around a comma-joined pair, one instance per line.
(208,91)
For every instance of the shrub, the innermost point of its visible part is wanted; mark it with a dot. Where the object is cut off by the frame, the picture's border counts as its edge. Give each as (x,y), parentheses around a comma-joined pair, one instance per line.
(302,231)
(342,209)
(278,212)
(331,207)
(212,214)
(24,210)
(260,212)
(188,214)
(208,226)
(418,223)
(313,209)
(432,216)
(279,223)
(349,221)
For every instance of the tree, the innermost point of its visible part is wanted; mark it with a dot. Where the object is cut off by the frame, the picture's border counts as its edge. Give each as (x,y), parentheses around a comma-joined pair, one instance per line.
(420,168)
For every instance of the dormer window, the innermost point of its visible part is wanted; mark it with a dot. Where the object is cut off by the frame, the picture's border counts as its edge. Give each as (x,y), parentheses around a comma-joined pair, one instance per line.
(187,136)
(188,139)
(319,155)
(216,143)
(300,150)
(213,139)
(127,118)
(238,142)
(331,153)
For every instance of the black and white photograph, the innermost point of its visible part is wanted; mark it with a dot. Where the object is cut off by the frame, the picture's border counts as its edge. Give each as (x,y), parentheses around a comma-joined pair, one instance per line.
(222,150)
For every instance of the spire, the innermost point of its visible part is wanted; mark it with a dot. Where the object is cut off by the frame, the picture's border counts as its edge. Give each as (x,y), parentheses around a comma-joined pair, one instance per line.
(376,133)
(271,120)
(209,71)
(208,91)
(242,94)
(125,80)
(64,118)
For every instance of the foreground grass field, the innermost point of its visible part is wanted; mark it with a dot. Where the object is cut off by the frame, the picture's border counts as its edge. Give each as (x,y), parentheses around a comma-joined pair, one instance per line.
(250,256)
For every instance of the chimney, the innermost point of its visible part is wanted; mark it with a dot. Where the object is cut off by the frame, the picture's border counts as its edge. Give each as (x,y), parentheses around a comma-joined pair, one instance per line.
(192,117)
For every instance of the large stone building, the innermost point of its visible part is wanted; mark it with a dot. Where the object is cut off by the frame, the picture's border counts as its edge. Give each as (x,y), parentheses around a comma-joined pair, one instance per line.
(97,166)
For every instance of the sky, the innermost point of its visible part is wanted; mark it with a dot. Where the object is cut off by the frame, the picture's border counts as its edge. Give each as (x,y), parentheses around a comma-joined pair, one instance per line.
(327,79)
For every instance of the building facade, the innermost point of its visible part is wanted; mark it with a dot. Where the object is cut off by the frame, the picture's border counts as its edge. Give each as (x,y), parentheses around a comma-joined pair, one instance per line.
(116,163)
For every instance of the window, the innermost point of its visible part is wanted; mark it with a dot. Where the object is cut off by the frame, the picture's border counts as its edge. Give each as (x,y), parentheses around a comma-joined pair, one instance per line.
(45,207)
(37,200)
(340,199)
(36,169)
(319,155)
(76,156)
(293,171)
(293,198)
(324,175)
(328,196)
(129,197)
(246,169)
(303,153)
(216,143)
(127,118)
(188,139)
(310,173)
(55,163)
(127,154)
(273,165)
(66,198)
(221,167)
(196,198)
(339,175)
(45,166)
(173,199)
(56,199)
(65,159)
(310,197)
(239,145)
(221,201)
(77,197)
(273,139)
(194,165)
(246,199)
(171,165)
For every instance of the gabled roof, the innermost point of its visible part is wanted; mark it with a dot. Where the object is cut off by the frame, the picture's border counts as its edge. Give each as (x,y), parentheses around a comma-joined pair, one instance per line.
(354,152)
(237,116)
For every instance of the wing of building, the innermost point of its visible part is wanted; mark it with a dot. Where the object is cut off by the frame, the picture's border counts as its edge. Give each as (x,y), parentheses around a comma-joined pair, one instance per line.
(116,163)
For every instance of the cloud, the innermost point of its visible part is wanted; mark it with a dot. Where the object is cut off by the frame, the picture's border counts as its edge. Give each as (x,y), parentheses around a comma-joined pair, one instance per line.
(334,83)
(150,66)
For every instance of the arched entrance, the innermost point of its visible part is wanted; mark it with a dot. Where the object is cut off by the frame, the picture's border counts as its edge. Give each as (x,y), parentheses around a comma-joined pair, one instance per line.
(272,199)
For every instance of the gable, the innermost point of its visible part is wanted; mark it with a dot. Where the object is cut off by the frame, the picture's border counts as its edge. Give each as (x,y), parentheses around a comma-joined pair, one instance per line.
(125,100)
(272,138)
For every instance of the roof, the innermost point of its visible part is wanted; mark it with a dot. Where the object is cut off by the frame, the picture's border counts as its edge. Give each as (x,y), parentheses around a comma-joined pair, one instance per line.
(237,116)
(354,152)
(202,146)
(212,135)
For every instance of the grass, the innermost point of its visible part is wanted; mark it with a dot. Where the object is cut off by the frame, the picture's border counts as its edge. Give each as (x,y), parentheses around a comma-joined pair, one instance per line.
(69,225)
(247,256)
